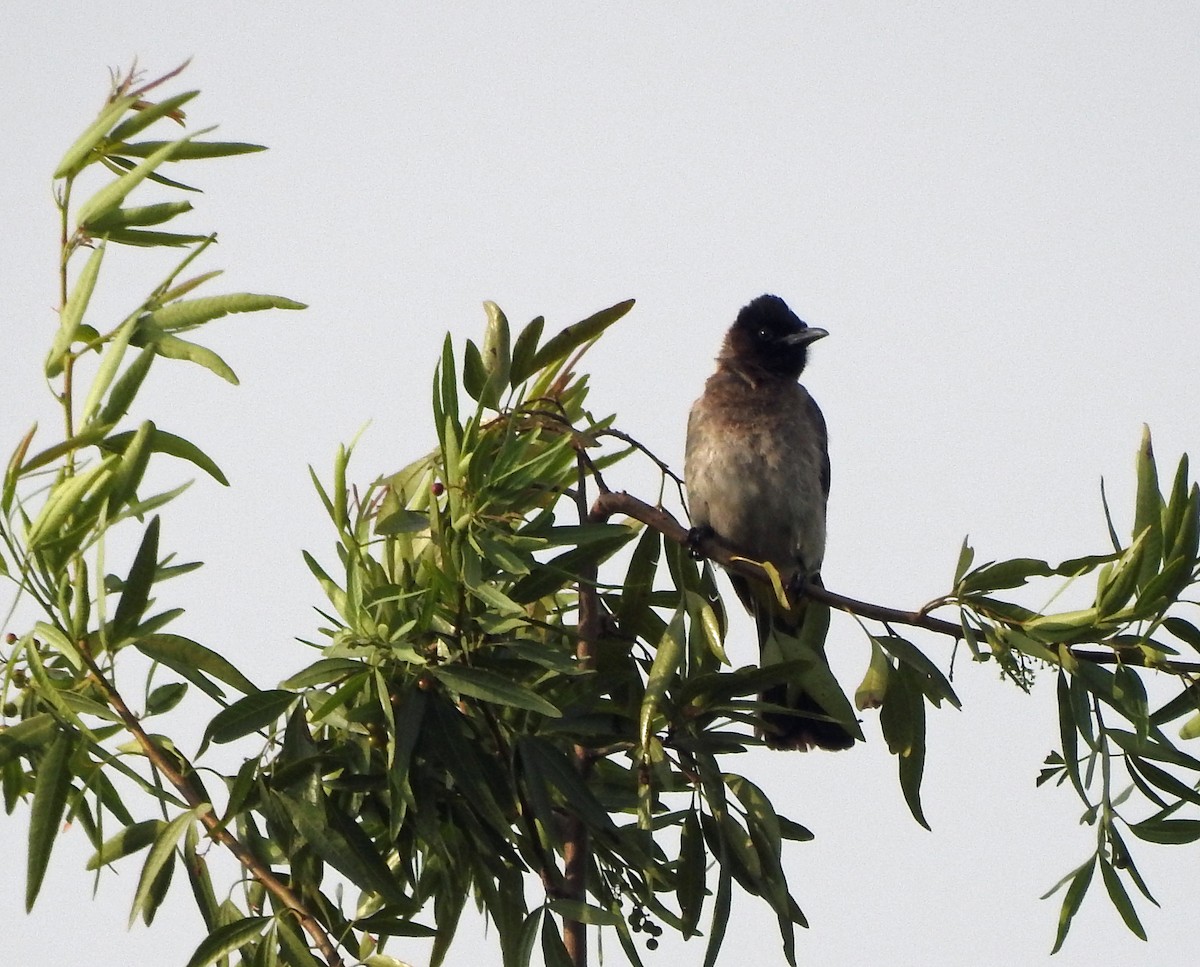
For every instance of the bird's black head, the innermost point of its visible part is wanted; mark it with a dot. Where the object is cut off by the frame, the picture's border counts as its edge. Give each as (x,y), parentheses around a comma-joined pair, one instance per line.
(769,336)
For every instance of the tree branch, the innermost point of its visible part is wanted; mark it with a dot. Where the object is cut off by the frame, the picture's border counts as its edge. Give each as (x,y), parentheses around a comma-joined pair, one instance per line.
(216,831)
(712,547)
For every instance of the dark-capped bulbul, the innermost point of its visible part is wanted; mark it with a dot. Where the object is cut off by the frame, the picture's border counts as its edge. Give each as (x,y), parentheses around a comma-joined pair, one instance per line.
(757,474)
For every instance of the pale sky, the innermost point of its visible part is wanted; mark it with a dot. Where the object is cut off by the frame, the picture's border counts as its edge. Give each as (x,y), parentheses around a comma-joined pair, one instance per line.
(993,211)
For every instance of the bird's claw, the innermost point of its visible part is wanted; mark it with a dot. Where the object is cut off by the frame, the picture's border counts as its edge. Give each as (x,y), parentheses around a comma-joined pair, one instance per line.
(695,537)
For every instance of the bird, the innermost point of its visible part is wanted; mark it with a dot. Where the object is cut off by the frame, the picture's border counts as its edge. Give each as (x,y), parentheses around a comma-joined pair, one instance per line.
(756,468)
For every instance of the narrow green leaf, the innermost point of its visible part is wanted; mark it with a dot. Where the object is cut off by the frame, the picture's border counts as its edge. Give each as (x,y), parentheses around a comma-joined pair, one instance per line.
(50,791)
(496,355)
(690,886)
(190,150)
(1068,733)
(226,939)
(112,194)
(172,347)
(136,593)
(79,154)
(1003,574)
(966,555)
(490,687)
(524,351)
(72,313)
(173,446)
(161,853)
(343,845)
(249,714)
(193,661)
(934,683)
(1148,513)
(142,215)
(126,388)
(1120,899)
(667,657)
(573,336)
(29,735)
(148,238)
(140,119)
(190,313)
(1080,881)
(66,497)
(1168,832)
(107,371)
(553,949)
(584,913)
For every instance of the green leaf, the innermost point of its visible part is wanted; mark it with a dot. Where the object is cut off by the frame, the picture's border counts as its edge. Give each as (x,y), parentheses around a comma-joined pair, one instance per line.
(667,656)
(1168,832)
(1068,733)
(490,687)
(112,194)
(585,913)
(30,735)
(226,939)
(402,521)
(1003,574)
(79,154)
(553,949)
(1148,514)
(903,721)
(142,118)
(50,791)
(72,313)
(126,388)
(562,774)
(136,593)
(1184,630)
(248,714)
(966,555)
(524,351)
(1120,899)
(172,347)
(190,150)
(1080,880)
(107,371)
(66,497)
(145,238)
(129,840)
(165,697)
(690,885)
(933,682)
(162,853)
(190,313)
(194,662)
(496,355)
(142,215)
(573,336)
(356,858)
(173,446)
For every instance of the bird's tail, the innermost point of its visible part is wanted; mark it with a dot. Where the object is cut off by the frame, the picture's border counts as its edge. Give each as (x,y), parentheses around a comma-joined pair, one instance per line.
(818,713)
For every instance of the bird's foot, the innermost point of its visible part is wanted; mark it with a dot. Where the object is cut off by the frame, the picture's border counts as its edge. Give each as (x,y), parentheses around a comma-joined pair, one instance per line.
(697,536)
(798,585)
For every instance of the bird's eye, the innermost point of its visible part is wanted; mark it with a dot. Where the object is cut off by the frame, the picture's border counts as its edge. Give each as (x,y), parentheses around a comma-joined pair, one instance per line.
(764,333)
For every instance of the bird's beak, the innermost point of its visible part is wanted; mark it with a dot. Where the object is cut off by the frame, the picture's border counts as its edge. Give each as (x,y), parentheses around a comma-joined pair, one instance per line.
(804,336)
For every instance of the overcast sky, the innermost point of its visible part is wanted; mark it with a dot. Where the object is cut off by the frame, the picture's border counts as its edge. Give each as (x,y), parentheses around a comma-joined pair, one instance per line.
(992,209)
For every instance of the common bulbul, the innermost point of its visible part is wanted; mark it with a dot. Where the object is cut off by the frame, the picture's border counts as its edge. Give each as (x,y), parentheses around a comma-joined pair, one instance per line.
(757,473)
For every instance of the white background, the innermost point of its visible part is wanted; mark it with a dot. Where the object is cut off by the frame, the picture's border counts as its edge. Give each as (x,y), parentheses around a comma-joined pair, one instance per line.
(993,210)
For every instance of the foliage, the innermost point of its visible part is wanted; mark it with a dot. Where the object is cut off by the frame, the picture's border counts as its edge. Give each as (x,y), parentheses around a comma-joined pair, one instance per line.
(485,711)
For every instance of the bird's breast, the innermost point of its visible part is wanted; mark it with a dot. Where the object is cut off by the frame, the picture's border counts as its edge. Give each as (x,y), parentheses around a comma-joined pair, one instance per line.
(754,473)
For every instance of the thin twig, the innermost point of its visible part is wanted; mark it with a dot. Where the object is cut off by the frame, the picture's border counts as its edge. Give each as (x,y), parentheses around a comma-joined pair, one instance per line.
(216,831)
(575,846)
(712,547)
